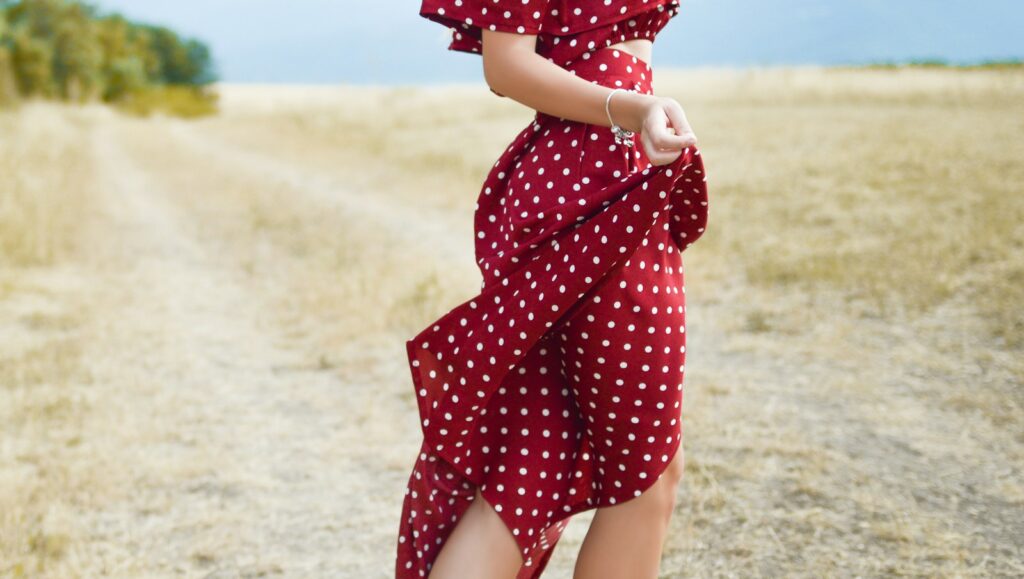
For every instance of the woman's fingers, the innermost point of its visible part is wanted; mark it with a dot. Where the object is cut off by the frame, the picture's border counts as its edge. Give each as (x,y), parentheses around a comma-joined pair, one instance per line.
(661,133)
(664,139)
(684,136)
(658,156)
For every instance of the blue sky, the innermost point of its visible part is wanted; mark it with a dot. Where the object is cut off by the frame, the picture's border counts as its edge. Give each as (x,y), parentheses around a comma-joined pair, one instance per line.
(387,42)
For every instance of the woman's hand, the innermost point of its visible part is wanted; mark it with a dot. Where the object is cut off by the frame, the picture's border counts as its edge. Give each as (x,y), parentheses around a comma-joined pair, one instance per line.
(664,130)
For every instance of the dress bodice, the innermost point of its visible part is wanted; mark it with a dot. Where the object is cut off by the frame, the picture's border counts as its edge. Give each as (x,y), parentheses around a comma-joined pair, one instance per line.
(565,29)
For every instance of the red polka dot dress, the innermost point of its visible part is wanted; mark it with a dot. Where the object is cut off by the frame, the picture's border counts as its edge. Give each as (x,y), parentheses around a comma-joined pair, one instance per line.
(559,387)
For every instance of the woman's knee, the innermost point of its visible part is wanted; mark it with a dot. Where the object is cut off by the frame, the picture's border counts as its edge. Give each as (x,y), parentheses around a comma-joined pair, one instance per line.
(491,526)
(480,545)
(675,470)
(666,489)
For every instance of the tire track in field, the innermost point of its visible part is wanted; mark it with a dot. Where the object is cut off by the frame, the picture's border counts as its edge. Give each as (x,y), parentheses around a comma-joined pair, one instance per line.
(245,461)
(416,228)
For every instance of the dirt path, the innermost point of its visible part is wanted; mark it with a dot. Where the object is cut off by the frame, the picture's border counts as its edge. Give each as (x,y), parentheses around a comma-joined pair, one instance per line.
(411,228)
(246,466)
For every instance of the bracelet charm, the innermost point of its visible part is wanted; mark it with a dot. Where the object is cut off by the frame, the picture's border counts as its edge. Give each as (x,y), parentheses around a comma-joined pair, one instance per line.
(622,136)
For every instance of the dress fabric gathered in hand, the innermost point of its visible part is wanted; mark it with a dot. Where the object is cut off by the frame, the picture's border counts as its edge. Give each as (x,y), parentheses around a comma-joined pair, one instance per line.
(559,387)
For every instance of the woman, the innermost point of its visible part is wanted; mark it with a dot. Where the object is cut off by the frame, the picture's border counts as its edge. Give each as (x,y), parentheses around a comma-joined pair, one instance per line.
(559,387)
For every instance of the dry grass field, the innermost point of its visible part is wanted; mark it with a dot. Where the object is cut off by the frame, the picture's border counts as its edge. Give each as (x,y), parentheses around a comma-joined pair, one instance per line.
(202,326)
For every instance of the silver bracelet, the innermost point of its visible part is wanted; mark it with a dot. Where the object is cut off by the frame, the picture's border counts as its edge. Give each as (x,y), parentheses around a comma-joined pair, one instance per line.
(622,136)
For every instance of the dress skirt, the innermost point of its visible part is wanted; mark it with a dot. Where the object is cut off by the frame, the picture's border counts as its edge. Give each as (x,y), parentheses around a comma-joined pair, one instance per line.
(559,387)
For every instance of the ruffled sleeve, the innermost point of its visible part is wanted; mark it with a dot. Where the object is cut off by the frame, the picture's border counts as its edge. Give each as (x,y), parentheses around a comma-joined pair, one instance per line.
(467,19)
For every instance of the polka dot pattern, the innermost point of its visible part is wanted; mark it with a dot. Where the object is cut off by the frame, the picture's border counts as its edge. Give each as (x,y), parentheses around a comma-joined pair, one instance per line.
(559,387)
(565,30)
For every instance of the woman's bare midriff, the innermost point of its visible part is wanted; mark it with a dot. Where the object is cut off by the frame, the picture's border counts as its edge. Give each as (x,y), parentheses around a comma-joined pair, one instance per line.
(638,47)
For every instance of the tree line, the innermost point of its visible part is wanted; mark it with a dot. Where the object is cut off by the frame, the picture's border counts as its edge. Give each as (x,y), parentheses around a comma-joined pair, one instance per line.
(69,50)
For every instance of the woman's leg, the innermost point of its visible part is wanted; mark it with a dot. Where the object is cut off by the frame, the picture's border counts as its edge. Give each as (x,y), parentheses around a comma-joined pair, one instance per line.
(626,540)
(480,545)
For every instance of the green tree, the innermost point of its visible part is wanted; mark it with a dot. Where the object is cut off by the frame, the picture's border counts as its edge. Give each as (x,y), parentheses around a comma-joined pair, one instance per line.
(33,64)
(7,87)
(66,49)
(77,53)
(201,62)
(123,67)
(169,54)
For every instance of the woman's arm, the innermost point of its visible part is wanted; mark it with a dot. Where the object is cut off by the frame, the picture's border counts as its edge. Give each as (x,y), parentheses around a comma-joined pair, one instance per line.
(513,68)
